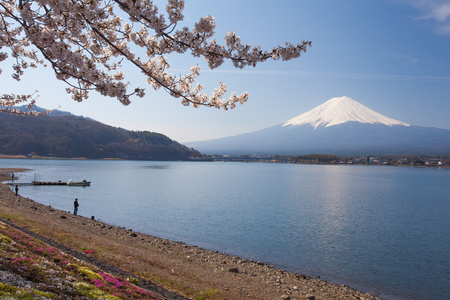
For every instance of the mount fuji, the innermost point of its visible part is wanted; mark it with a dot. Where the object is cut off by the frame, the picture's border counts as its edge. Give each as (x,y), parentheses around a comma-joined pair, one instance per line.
(340,126)
(341,110)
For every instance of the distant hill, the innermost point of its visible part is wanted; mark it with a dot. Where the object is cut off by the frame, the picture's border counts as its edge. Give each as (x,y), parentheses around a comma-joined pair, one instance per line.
(64,135)
(340,126)
(53,113)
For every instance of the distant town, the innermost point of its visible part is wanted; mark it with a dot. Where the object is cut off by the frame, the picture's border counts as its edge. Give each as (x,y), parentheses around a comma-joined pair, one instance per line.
(386,160)
(312,159)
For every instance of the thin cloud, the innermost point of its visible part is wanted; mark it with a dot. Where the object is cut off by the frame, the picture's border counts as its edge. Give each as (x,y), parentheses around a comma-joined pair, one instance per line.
(445,29)
(405,58)
(437,11)
(333,75)
(377,76)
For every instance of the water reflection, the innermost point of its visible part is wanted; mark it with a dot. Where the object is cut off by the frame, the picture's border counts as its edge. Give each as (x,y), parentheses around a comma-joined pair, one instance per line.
(156,167)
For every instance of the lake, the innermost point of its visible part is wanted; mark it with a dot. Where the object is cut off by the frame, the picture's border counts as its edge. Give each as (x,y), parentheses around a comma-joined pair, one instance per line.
(379,229)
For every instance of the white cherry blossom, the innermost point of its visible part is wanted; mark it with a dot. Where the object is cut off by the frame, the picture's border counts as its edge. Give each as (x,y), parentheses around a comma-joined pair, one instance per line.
(85,42)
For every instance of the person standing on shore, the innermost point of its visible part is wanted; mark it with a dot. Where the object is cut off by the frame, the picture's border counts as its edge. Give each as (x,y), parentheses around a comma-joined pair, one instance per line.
(17,189)
(75,206)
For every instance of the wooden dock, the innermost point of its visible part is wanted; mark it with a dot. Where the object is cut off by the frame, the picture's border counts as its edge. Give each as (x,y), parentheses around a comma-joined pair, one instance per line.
(36,182)
(59,182)
(68,183)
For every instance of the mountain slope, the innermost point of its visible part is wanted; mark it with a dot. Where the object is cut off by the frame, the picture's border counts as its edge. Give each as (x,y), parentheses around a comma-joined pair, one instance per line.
(70,136)
(339,126)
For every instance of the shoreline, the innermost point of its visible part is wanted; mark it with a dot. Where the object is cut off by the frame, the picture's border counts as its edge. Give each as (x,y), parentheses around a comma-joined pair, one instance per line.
(185,269)
(237,159)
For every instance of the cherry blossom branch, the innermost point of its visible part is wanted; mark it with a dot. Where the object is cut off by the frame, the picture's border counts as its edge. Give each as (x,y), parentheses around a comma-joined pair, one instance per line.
(85,42)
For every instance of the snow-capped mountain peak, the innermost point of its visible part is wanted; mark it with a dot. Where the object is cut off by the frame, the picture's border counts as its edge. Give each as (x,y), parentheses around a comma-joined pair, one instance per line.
(340,110)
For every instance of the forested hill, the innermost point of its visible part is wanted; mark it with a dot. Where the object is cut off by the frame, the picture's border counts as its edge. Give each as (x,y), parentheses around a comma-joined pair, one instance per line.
(71,136)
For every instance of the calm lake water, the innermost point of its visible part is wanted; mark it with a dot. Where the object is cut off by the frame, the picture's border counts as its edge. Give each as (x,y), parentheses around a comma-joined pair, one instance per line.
(377,229)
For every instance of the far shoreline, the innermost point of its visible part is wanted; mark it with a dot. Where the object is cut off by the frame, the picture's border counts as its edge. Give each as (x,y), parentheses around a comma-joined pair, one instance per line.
(273,159)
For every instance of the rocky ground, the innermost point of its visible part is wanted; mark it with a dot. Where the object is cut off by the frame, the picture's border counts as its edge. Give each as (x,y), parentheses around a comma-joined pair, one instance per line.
(171,269)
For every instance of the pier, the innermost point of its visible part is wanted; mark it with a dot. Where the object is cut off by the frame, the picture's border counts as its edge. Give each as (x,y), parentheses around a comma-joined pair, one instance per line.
(39,182)
(35,182)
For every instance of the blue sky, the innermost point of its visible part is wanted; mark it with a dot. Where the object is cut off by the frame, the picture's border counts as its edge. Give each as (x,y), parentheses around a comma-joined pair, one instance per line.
(390,55)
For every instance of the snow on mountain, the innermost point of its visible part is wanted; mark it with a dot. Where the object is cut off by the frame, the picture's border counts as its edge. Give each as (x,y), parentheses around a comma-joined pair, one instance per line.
(341,110)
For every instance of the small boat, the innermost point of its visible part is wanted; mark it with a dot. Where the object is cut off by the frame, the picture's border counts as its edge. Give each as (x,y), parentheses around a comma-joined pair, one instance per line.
(78,183)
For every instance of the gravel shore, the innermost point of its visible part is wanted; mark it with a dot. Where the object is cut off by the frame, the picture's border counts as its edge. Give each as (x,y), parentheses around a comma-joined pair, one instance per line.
(164,266)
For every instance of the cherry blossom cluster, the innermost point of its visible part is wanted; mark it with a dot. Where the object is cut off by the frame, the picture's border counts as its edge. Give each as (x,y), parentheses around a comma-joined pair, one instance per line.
(86,42)
(8,101)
